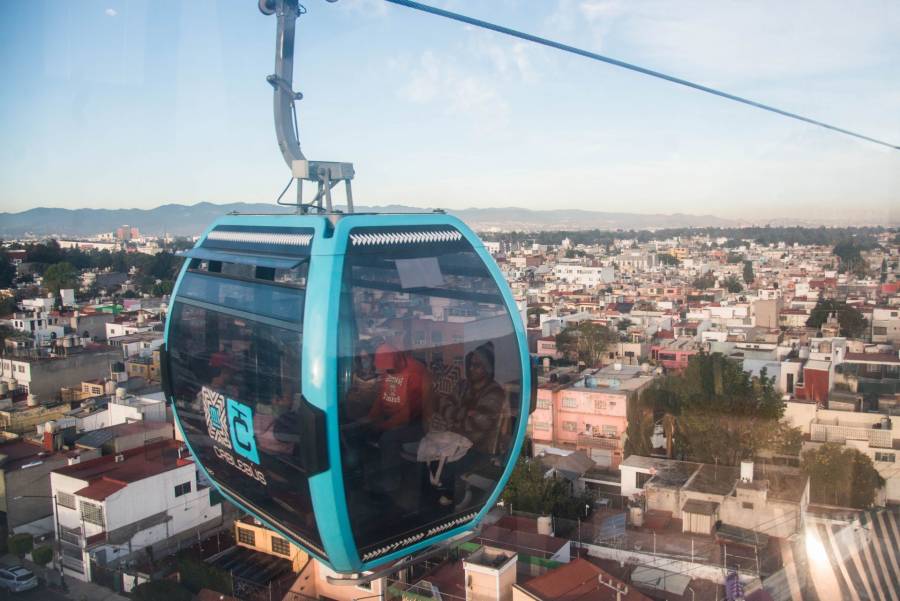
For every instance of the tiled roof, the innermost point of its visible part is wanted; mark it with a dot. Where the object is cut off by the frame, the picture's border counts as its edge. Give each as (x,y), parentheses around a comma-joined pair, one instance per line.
(872,357)
(136,464)
(99,490)
(579,581)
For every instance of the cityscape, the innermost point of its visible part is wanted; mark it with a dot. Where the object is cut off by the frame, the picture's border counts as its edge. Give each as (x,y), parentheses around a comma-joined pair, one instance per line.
(606,306)
(715,409)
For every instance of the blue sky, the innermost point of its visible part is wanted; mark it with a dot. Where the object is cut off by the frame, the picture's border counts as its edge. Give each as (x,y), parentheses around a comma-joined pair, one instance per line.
(134,103)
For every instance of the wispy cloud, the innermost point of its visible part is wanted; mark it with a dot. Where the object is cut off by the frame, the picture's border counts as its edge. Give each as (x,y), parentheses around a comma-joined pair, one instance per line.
(735,41)
(441,79)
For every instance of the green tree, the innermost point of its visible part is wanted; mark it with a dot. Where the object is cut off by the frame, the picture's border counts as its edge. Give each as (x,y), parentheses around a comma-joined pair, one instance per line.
(732,284)
(707,280)
(161,590)
(721,413)
(668,259)
(840,475)
(163,288)
(7,271)
(20,544)
(851,320)
(196,574)
(46,253)
(850,256)
(787,440)
(639,429)
(7,305)
(530,491)
(585,341)
(59,276)
(749,276)
(42,555)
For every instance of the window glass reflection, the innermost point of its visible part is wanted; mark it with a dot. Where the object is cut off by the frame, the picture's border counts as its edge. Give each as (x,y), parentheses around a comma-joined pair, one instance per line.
(430,391)
(238,390)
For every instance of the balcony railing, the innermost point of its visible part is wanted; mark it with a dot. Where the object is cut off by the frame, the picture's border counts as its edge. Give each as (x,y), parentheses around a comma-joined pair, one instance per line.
(821,431)
(608,443)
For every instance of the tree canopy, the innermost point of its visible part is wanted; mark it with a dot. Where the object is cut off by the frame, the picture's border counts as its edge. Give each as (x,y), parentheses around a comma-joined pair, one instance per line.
(707,280)
(732,284)
(841,475)
(722,413)
(7,271)
(528,490)
(749,276)
(60,275)
(821,236)
(849,252)
(585,341)
(851,320)
(667,259)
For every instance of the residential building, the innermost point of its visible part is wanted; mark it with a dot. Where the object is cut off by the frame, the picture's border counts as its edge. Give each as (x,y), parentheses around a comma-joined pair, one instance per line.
(113,507)
(873,434)
(674,353)
(588,412)
(580,580)
(25,467)
(761,498)
(44,375)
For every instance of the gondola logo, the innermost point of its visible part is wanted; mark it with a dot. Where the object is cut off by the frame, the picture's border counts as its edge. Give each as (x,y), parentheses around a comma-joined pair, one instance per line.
(240,426)
(230,424)
(216,420)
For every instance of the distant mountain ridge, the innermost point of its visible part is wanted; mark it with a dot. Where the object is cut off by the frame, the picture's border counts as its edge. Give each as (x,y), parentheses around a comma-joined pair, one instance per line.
(189,220)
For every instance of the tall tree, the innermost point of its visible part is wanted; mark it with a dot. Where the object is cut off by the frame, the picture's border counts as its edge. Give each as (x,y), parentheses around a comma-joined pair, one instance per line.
(7,271)
(850,256)
(639,428)
(732,284)
(585,341)
(668,259)
(59,276)
(840,475)
(749,276)
(707,280)
(529,490)
(851,320)
(721,414)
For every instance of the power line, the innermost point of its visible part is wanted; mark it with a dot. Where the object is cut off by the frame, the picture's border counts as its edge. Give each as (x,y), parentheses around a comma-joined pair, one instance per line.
(631,67)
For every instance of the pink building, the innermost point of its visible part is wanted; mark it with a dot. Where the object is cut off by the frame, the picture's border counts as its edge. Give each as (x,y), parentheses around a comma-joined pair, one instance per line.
(589,413)
(674,353)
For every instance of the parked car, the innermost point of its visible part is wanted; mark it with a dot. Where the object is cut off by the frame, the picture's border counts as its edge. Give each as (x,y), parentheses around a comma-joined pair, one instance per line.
(17,579)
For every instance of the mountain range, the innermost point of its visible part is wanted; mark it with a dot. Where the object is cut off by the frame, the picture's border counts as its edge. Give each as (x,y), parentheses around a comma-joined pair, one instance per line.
(189,220)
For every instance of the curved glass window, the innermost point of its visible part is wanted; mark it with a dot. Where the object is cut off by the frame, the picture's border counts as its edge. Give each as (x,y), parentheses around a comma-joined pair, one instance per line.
(430,384)
(234,346)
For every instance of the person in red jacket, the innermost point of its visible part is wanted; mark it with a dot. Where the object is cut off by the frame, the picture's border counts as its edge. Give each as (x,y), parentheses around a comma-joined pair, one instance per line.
(396,414)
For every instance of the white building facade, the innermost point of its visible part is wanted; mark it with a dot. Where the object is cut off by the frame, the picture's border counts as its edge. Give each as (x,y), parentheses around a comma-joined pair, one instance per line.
(109,508)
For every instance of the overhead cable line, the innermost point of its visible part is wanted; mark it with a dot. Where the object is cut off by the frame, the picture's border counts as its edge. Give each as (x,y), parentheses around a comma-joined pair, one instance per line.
(617,63)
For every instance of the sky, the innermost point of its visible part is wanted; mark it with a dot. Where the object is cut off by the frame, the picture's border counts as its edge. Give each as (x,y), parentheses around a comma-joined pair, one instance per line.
(135,104)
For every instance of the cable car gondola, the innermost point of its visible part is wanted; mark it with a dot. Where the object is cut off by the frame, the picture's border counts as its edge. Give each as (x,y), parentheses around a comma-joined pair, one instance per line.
(360,384)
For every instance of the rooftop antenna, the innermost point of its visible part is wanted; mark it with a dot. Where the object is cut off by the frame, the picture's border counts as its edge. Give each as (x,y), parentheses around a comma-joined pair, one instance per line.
(325,174)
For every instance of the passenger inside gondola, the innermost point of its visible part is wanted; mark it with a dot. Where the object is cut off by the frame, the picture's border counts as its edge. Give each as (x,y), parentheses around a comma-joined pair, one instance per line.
(431,444)
(395,415)
(464,432)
